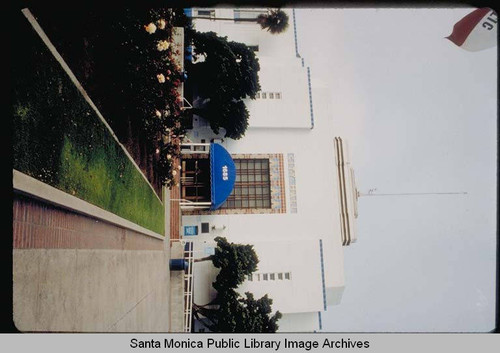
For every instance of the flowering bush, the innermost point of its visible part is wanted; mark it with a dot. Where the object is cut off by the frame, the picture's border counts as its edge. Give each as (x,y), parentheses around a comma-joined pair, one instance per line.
(168,153)
(162,45)
(127,62)
(161,23)
(160,78)
(161,103)
(147,74)
(150,28)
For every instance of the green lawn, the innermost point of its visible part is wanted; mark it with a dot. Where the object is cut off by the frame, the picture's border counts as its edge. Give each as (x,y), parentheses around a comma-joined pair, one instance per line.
(58,138)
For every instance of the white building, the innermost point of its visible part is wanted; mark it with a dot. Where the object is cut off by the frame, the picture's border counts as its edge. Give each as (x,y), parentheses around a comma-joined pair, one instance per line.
(294,196)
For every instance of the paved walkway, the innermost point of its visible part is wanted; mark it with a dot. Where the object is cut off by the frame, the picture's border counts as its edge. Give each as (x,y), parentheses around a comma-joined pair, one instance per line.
(177,302)
(73,273)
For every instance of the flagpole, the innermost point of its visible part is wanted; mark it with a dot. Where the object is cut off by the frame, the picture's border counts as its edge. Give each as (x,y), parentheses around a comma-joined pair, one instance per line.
(412,193)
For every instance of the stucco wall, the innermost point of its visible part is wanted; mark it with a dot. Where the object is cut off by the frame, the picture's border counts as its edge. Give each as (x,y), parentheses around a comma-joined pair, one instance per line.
(285,127)
(299,322)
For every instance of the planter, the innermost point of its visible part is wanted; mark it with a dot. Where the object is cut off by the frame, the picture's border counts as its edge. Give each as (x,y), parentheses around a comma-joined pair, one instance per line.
(178,265)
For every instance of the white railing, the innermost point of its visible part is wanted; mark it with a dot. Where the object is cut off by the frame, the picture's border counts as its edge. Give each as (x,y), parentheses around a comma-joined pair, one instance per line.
(195,148)
(188,286)
(192,205)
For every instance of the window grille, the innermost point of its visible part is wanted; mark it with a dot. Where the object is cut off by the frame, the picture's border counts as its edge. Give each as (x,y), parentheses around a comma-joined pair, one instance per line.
(206,13)
(252,188)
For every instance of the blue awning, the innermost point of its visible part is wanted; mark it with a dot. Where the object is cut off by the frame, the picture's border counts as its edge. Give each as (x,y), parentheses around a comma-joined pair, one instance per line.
(222,175)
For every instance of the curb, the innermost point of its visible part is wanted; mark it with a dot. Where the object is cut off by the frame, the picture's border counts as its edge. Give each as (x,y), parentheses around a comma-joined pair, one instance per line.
(30,186)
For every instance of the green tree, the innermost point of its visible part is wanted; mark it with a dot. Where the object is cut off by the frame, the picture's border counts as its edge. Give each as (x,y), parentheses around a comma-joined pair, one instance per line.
(275,21)
(228,73)
(236,314)
(235,261)
(229,311)
(232,115)
(229,70)
(259,314)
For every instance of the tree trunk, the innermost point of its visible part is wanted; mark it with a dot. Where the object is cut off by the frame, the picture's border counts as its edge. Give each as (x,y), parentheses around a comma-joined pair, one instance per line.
(195,314)
(213,302)
(203,259)
(208,313)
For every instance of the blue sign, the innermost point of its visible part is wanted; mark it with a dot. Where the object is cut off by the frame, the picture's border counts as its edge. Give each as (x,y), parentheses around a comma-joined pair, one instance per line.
(209,250)
(190,230)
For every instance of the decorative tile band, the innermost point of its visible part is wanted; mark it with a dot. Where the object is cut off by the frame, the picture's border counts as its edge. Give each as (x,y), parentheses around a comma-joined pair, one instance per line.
(295,34)
(291,183)
(322,273)
(277,183)
(310,97)
(282,184)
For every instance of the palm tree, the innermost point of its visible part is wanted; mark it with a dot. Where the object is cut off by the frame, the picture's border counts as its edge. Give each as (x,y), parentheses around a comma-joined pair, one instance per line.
(275,21)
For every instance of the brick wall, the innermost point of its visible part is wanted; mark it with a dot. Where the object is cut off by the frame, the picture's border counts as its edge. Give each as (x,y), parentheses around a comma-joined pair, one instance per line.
(38,224)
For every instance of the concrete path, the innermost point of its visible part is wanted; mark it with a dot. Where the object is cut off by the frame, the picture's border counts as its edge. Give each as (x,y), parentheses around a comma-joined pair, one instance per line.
(177,300)
(91,290)
(72,273)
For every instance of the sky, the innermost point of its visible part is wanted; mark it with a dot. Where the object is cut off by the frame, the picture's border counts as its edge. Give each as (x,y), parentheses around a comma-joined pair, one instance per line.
(420,115)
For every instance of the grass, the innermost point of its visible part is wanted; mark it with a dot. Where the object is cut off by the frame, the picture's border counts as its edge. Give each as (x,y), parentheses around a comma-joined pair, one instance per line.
(59,139)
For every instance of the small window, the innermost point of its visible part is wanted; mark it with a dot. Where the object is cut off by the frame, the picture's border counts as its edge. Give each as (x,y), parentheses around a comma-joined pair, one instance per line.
(272,276)
(265,277)
(254,48)
(277,95)
(250,277)
(205,227)
(206,13)
(258,276)
(280,276)
(264,95)
(287,275)
(271,95)
(257,95)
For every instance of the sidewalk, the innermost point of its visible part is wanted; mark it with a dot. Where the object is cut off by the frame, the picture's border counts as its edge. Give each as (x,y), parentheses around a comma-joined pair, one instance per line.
(72,273)
(177,301)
